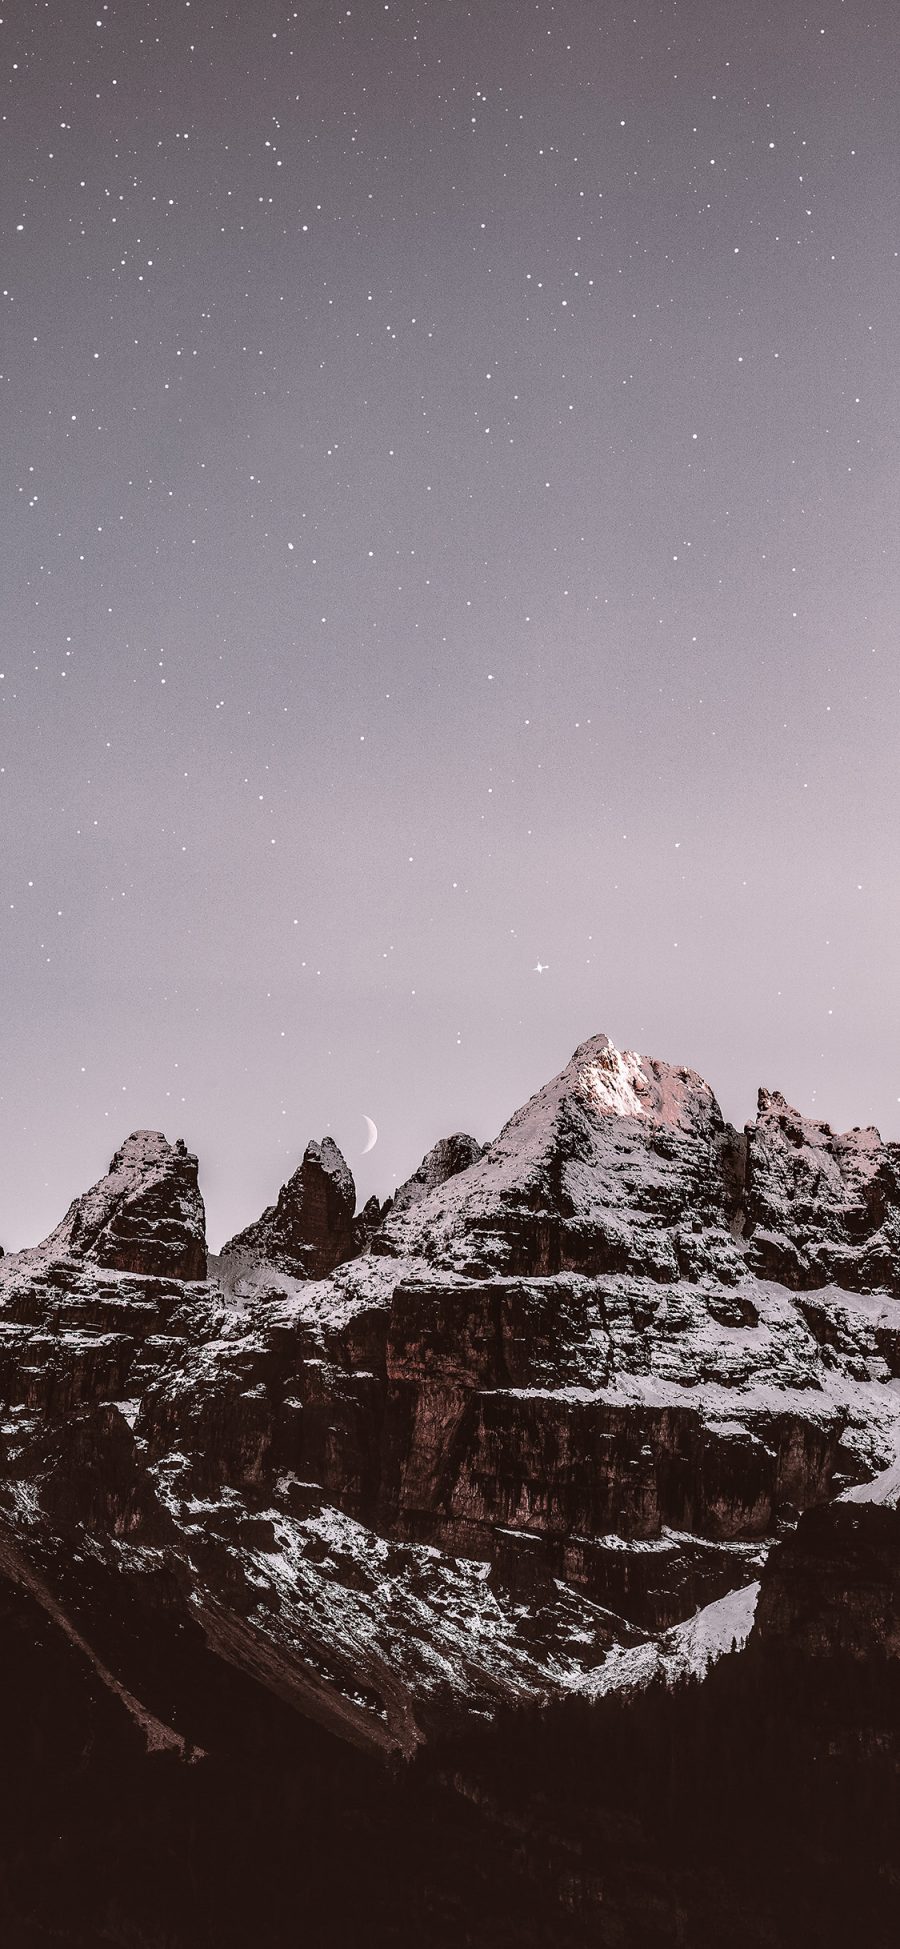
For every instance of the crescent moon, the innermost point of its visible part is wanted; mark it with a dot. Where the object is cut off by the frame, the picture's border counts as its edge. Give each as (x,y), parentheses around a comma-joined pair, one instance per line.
(372,1137)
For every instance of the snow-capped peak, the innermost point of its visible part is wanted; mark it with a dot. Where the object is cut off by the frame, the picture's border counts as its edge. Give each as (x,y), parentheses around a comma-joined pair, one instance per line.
(614,1083)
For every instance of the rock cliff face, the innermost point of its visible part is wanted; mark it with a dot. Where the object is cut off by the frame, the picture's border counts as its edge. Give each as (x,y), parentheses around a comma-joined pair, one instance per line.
(612,1167)
(449,1156)
(309,1230)
(585,1411)
(145,1216)
(819,1207)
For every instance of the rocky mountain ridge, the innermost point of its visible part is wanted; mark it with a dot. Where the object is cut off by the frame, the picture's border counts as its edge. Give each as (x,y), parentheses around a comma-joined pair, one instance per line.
(553,1426)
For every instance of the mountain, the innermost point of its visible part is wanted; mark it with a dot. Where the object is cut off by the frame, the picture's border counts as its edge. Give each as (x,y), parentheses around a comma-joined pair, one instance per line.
(310,1228)
(495,1540)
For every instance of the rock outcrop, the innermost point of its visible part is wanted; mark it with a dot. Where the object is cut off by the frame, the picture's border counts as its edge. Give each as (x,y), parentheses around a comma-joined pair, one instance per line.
(820,1207)
(310,1229)
(145,1216)
(448,1157)
(832,1593)
(612,1167)
(544,1429)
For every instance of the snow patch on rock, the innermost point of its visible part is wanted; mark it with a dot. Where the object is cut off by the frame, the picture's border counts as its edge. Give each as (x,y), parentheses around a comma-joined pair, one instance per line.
(614,1083)
(686,1651)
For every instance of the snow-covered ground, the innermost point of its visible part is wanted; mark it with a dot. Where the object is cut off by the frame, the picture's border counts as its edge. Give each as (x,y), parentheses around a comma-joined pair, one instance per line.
(686,1651)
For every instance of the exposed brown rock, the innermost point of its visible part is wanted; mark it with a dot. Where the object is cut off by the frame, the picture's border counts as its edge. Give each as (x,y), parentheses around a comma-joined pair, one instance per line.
(473,1440)
(309,1230)
(550,1378)
(368,1222)
(89,1473)
(145,1216)
(832,1590)
(614,1166)
(819,1205)
(409,1471)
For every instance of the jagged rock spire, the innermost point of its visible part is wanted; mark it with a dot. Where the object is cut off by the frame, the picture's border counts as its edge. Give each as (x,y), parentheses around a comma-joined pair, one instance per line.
(146,1215)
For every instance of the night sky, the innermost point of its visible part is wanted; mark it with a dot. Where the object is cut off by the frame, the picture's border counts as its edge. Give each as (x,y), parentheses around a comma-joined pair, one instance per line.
(450,525)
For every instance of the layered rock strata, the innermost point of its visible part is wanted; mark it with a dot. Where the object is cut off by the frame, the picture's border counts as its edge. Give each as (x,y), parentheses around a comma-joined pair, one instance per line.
(145,1216)
(471,1450)
(310,1228)
(819,1207)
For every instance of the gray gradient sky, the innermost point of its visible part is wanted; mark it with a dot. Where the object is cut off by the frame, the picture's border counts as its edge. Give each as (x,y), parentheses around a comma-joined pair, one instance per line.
(450,514)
